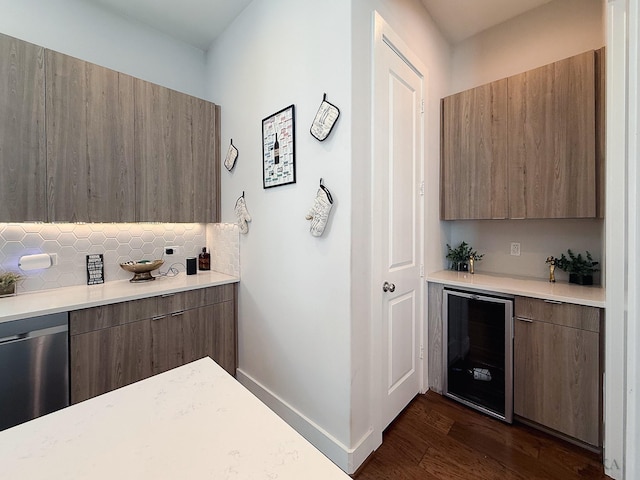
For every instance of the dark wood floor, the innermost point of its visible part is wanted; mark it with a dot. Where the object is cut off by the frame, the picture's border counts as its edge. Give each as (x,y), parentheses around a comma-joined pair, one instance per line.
(437,438)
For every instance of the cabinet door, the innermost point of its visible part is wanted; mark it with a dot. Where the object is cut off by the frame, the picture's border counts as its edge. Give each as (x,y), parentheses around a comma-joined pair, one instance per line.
(601,131)
(556,378)
(474,153)
(175,147)
(180,338)
(183,337)
(551,142)
(206,161)
(106,359)
(22,132)
(90,165)
(222,336)
(168,334)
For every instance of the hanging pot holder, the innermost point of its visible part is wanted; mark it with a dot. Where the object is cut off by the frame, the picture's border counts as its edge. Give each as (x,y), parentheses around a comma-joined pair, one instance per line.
(325,119)
(232,155)
(242,214)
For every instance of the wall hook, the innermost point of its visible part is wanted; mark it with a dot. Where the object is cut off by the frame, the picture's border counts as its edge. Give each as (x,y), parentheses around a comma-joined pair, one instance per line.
(326,190)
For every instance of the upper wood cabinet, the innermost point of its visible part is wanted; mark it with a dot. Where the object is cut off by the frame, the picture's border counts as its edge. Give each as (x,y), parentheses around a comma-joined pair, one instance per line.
(601,130)
(551,139)
(22,131)
(176,147)
(474,140)
(545,138)
(90,159)
(83,143)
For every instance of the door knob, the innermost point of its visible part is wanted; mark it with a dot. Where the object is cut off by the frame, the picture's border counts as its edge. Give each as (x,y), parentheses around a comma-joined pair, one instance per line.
(388,287)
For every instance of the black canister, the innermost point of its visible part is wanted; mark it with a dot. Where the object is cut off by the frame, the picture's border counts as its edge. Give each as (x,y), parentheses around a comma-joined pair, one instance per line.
(191,266)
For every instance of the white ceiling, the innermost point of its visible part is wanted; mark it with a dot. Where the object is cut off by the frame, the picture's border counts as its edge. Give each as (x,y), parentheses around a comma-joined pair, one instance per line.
(199,22)
(196,22)
(461,19)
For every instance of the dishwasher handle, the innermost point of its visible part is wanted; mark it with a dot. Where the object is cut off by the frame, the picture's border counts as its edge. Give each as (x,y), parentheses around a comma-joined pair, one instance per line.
(33,334)
(12,338)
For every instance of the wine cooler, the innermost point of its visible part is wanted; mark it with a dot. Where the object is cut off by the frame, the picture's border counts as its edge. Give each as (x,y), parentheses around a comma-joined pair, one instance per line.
(478,351)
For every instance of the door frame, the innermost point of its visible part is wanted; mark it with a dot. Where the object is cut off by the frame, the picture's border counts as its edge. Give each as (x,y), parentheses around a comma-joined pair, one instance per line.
(385,37)
(621,414)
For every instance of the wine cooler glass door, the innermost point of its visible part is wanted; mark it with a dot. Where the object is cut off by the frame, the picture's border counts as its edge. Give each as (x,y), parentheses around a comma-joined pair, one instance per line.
(478,352)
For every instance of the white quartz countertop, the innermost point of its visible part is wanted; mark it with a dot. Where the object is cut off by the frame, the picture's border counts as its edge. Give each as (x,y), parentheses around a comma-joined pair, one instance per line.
(65,299)
(593,296)
(192,422)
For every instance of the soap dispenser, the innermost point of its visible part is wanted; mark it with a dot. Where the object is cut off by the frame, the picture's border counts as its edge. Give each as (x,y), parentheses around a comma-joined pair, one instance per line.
(204,260)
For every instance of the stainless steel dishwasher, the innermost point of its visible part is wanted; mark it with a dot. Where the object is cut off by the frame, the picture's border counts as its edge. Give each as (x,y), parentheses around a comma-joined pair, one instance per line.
(34,367)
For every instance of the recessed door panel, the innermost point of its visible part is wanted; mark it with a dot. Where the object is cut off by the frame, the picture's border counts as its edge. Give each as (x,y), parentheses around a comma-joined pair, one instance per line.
(402,336)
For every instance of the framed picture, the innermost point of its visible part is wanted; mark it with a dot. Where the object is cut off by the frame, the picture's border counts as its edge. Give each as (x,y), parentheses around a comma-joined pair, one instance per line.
(278,148)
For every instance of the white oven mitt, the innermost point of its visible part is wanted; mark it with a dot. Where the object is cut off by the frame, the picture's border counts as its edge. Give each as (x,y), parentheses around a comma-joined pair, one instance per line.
(319,213)
(242,214)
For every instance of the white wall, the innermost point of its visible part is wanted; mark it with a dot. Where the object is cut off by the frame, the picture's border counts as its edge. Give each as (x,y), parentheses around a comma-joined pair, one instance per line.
(305,303)
(87,32)
(554,31)
(294,298)
(538,239)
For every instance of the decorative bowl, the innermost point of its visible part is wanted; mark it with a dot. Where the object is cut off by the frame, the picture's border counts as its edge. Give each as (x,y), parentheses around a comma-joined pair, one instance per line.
(142,269)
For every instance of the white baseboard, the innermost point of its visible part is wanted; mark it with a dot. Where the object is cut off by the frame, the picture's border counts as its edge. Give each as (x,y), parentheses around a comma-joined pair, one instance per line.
(348,459)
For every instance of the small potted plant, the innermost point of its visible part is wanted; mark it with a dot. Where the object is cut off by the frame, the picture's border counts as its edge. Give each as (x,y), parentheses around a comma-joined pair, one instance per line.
(8,283)
(579,268)
(459,256)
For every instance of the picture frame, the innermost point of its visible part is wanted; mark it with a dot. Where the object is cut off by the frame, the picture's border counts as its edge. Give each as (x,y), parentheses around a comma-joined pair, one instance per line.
(278,148)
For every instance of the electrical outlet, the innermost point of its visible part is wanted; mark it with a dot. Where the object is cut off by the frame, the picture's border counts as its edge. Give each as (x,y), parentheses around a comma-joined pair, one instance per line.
(171,250)
(515,249)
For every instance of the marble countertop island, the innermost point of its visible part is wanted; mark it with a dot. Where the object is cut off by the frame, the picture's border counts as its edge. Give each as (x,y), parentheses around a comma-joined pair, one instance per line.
(192,422)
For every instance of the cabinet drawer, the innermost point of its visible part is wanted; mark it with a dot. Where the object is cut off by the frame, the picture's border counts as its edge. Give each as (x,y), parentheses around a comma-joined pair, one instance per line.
(200,297)
(564,314)
(105,316)
(209,296)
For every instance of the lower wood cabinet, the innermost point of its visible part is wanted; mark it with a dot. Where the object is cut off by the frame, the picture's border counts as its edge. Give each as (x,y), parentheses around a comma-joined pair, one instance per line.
(557,367)
(115,345)
(189,335)
(110,358)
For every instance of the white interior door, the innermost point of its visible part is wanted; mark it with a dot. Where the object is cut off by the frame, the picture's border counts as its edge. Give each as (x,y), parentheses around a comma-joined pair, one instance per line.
(398,151)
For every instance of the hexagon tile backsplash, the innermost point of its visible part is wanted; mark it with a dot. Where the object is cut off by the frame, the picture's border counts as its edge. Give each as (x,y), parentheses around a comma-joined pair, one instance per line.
(117,242)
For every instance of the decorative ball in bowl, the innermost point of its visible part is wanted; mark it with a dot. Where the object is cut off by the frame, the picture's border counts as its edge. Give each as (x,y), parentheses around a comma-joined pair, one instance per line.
(142,269)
